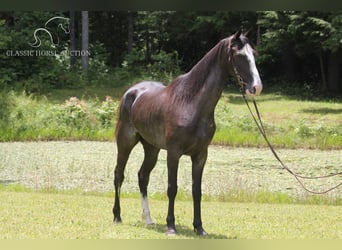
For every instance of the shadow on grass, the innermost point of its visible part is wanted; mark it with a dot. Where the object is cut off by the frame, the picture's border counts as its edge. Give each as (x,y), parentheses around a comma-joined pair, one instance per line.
(238,99)
(183,231)
(7,182)
(322,111)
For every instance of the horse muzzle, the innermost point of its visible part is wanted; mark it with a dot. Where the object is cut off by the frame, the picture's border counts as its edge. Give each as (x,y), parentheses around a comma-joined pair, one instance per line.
(254,91)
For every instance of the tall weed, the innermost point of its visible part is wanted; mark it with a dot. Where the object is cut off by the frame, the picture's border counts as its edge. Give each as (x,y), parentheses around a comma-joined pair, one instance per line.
(24,117)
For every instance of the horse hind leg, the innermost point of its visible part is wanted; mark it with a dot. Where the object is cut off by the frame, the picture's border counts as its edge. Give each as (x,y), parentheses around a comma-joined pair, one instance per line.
(150,159)
(126,139)
(198,162)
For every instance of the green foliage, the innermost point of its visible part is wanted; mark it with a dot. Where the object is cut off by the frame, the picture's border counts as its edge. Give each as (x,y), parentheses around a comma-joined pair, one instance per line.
(64,116)
(294,38)
(163,66)
(74,114)
(166,43)
(334,41)
(15,38)
(106,113)
(27,118)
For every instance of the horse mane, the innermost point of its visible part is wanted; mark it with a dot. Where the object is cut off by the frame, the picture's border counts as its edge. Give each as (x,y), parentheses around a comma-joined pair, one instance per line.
(185,87)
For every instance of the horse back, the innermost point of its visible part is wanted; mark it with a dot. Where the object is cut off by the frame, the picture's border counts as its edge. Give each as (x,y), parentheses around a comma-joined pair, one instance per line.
(134,93)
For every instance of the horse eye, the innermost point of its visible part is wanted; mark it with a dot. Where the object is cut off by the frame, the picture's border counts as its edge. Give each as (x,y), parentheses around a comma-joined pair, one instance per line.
(255,53)
(234,48)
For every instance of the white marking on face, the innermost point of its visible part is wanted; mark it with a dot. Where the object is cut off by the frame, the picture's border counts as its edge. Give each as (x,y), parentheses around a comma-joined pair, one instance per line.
(146,211)
(248,51)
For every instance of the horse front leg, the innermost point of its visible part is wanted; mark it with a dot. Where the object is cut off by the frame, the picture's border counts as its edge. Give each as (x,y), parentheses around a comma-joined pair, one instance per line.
(198,162)
(172,167)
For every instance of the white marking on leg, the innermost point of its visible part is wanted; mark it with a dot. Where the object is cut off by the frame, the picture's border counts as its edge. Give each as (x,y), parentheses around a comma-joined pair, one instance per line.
(146,211)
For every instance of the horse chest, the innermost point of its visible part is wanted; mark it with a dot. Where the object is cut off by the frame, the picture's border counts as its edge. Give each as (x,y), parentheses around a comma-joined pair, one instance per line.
(192,137)
(205,129)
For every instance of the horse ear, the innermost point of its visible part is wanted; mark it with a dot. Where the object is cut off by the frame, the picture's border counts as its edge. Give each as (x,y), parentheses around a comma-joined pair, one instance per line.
(237,35)
(247,33)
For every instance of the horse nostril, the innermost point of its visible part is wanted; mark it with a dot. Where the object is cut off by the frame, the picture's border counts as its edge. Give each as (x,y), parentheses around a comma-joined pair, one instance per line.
(258,89)
(254,91)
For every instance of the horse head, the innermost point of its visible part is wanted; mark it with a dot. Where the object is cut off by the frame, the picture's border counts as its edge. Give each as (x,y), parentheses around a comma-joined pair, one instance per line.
(242,58)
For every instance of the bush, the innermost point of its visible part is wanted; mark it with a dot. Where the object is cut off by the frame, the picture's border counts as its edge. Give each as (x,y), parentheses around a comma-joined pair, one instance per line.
(163,66)
(24,117)
(106,112)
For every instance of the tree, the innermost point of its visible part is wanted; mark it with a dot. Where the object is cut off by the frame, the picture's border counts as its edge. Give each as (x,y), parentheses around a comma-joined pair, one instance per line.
(277,44)
(110,28)
(151,32)
(130,21)
(304,40)
(314,30)
(32,72)
(323,37)
(298,46)
(193,33)
(85,40)
(72,38)
(334,45)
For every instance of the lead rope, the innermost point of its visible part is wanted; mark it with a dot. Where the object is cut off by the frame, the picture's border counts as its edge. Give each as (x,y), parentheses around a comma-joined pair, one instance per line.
(297,176)
(261,128)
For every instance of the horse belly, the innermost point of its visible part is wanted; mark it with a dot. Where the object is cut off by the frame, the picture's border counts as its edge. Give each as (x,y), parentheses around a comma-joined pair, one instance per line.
(148,119)
(153,134)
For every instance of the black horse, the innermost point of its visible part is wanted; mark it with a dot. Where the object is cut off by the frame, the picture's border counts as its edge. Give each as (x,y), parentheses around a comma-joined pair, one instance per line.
(180,119)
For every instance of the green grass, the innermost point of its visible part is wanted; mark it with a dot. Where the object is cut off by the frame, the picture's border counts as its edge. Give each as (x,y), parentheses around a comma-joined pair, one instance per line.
(64,190)
(289,122)
(35,215)
(231,174)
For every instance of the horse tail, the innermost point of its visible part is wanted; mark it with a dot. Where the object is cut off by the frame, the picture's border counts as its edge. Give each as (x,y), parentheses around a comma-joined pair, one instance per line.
(125,109)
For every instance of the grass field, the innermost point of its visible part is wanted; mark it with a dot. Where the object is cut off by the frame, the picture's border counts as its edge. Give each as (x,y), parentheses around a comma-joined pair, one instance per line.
(63,190)
(234,174)
(59,216)
(290,122)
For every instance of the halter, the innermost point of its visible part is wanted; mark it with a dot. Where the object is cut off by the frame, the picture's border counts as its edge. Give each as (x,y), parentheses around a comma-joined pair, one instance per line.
(238,77)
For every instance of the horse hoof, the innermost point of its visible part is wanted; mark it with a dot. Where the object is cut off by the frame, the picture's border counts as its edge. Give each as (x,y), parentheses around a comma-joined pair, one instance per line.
(117,221)
(200,232)
(171,231)
(148,221)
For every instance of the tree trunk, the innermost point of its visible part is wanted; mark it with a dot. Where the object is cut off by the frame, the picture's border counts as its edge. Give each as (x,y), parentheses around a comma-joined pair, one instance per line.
(148,55)
(85,40)
(130,32)
(72,38)
(289,63)
(258,32)
(333,71)
(321,64)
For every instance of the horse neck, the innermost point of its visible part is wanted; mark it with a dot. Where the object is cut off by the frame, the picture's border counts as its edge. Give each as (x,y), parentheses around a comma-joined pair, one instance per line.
(209,77)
